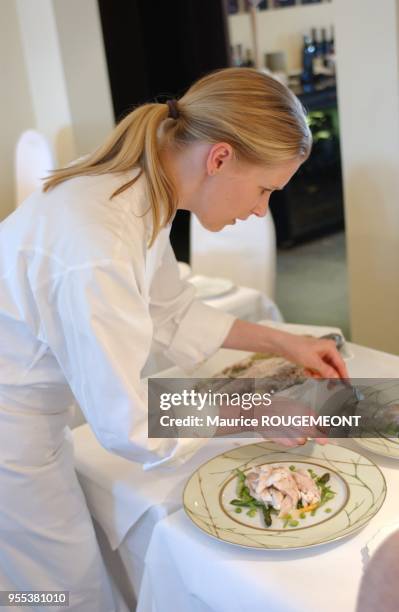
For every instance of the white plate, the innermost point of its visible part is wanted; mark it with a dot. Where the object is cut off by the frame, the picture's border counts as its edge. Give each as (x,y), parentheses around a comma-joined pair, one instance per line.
(358,483)
(208,287)
(384,447)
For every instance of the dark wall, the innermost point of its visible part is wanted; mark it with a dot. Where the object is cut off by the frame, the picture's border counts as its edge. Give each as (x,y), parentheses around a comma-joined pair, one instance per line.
(155,50)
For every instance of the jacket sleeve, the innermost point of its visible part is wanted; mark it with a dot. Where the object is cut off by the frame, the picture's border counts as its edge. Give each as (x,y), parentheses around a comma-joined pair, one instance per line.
(97,323)
(187,330)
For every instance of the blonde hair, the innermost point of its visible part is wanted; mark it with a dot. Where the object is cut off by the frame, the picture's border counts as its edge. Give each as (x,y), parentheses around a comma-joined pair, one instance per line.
(258,116)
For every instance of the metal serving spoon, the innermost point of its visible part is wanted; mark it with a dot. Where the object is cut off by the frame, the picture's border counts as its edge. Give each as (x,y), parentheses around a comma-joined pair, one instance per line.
(338,339)
(339,343)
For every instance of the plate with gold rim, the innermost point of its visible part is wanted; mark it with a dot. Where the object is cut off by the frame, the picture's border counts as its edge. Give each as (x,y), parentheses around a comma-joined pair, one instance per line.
(383,446)
(358,484)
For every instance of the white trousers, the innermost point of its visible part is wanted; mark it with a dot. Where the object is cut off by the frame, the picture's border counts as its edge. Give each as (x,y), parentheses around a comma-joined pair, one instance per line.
(47,539)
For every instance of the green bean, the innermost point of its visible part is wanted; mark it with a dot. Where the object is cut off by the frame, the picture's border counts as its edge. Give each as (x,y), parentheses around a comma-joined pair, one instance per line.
(240,483)
(245,494)
(266,515)
(323,479)
(240,502)
(246,503)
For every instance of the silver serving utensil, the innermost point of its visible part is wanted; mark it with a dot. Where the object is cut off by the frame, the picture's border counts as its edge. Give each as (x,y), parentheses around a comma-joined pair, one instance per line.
(358,394)
(338,339)
(339,343)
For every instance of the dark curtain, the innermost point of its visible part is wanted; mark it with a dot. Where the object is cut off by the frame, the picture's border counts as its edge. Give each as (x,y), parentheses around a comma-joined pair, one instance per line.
(155,50)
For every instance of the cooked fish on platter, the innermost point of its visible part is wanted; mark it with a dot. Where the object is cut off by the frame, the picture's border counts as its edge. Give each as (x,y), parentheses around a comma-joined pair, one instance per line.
(288,492)
(272,374)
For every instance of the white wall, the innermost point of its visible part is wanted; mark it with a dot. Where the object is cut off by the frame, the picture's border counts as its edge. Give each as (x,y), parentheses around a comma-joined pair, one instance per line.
(48,86)
(54,79)
(367,34)
(282,29)
(85,70)
(16,110)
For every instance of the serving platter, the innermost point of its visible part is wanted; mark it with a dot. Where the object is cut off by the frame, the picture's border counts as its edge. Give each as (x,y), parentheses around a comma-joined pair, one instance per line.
(383,446)
(382,403)
(358,483)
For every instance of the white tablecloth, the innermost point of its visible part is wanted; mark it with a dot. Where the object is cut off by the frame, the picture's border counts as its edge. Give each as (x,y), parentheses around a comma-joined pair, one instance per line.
(205,575)
(127,503)
(246,303)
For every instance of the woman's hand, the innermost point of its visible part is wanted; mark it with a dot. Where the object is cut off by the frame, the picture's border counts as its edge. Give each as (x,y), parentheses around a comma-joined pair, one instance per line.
(319,357)
(288,435)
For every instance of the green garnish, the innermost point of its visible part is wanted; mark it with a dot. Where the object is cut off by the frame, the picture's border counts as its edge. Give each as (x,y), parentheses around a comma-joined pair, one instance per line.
(287,518)
(328,510)
(302,515)
(292,468)
(253,503)
(323,479)
(240,482)
(293,523)
(266,515)
(238,510)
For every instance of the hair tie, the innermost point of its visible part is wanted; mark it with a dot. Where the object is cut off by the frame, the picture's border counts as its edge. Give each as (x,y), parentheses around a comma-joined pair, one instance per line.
(173,109)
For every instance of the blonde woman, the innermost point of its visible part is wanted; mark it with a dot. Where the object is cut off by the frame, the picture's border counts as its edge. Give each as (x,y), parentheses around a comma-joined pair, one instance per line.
(89,282)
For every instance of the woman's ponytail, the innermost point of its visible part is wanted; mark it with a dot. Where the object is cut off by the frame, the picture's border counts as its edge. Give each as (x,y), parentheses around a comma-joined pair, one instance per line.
(132,144)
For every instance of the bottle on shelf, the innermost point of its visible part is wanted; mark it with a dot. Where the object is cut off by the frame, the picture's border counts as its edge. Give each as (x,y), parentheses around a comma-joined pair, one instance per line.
(331,42)
(249,61)
(236,55)
(324,42)
(315,40)
(232,7)
(308,55)
(318,58)
(329,60)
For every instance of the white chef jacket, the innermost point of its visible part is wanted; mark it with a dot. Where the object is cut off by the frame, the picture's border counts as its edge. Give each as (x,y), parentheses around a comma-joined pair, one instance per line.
(82,300)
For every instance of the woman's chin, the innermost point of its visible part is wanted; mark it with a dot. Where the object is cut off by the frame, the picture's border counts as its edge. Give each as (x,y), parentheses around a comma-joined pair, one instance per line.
(210,225)
(215,226)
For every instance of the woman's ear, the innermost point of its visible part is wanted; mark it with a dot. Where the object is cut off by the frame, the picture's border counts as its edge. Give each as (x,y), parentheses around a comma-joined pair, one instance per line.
(219,155)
